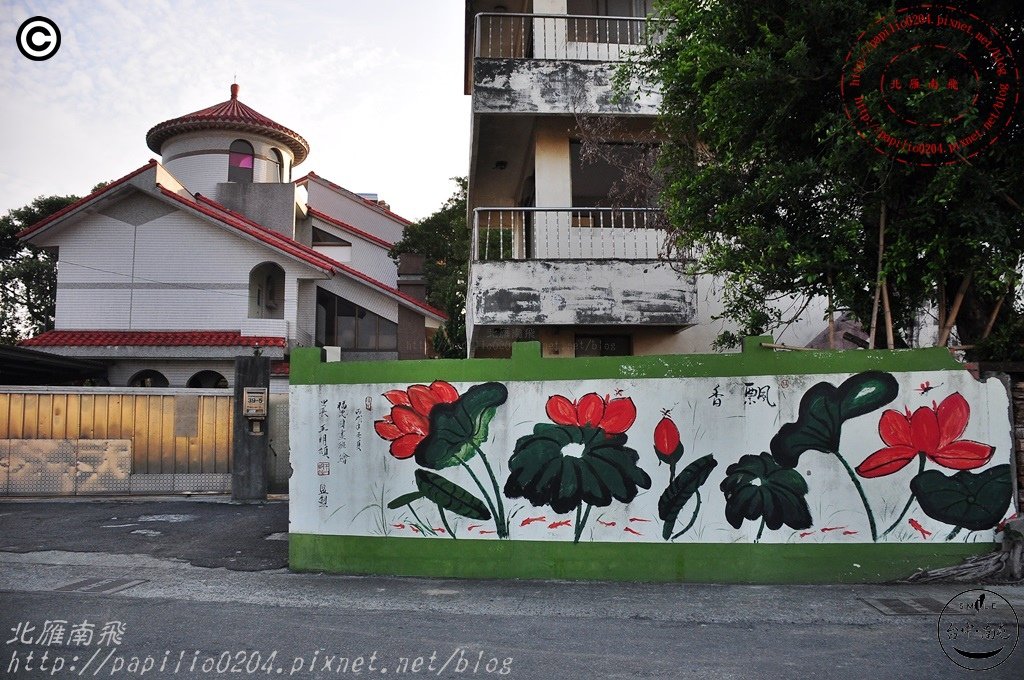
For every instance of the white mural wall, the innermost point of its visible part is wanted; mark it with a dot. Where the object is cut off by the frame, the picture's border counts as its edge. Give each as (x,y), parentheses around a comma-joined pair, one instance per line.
(868,457)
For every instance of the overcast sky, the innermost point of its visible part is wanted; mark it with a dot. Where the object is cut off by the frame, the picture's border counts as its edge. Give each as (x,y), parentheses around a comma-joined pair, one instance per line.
(375,87)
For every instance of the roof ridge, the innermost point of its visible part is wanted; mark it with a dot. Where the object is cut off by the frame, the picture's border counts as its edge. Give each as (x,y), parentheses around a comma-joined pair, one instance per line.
(366,201)
(335,264)
(345,225)
(269,231)
(146,338)
(395,291)
(265,234)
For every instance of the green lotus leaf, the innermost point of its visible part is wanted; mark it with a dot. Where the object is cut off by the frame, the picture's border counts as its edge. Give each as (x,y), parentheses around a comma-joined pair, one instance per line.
(404,499)
(459,428)
(972,500)
(823,410)
(758,487)
(682,489)
(544,473)
(866,392)
(450,495)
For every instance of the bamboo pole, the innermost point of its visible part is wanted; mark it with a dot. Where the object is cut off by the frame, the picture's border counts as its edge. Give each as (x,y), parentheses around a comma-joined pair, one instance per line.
(878,279)
(941,298)
(831,316)
(773,345)
(992,317)
(954,311)
(890,340)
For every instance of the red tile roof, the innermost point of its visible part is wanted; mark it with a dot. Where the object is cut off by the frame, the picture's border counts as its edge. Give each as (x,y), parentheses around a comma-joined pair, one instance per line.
(372,204)
(150,339)
(349,228)
(82,201)
(215,210)
(280,368)
(393,291)
(229,115)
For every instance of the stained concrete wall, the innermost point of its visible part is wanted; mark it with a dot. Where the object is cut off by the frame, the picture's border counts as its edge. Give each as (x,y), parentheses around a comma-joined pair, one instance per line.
(580,292)
(550,86)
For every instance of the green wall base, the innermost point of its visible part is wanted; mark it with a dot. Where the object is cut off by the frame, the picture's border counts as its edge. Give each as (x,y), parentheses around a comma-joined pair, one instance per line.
(650,562)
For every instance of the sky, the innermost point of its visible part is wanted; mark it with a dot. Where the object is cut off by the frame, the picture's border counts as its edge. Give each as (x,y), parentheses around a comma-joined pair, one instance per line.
(375,87)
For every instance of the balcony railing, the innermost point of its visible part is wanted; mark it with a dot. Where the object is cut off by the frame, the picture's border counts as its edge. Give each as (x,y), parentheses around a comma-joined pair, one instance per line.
(568,234)
(557,36)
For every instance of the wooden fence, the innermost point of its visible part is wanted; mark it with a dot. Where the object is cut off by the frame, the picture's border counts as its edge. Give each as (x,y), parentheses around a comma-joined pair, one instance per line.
(172,431)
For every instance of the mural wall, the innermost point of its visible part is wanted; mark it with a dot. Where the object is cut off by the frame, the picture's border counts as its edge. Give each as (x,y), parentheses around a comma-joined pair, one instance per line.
(872,456)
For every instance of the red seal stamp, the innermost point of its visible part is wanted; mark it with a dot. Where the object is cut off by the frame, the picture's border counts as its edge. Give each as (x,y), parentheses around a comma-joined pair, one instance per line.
(931,85)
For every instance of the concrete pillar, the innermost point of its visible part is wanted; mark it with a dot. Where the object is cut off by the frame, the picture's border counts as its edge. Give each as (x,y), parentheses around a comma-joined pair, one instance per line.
(552,165)
(549,6)
(553,170)
(250,444)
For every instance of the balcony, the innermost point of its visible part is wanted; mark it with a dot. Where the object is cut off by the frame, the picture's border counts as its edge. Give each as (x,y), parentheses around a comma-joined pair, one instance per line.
(545,63)
(560,37)
(567,234)
(574,266)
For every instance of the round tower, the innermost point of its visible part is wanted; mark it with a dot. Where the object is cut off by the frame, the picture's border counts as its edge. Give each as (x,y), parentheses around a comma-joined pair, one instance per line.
(227,142)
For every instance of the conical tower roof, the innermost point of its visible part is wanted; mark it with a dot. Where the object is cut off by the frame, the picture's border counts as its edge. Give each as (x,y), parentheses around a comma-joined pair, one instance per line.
(229,115)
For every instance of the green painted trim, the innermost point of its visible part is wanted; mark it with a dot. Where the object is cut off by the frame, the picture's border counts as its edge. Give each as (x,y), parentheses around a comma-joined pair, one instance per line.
(308,368)
(650,562)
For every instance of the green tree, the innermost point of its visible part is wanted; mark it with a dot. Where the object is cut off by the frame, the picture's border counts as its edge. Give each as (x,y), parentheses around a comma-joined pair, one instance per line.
(443,240)
(767,178)
(28,276)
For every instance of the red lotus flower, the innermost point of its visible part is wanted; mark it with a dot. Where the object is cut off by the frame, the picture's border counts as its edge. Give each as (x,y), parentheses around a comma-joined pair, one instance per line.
(409,421)
(933,432)
(666,441)
(614,416)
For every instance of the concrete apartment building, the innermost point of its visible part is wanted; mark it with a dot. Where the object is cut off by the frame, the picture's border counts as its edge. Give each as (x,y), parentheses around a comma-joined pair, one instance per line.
(169,272)
(557,257)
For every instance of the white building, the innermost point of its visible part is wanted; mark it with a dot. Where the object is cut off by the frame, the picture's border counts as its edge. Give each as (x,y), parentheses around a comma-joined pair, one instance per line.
(169,272)
(555,257)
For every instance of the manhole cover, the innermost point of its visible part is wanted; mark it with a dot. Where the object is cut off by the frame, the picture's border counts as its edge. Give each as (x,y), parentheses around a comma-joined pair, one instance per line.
(103,586)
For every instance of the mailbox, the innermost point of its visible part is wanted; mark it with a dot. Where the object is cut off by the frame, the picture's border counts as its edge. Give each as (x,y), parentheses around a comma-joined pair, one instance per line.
(254,407)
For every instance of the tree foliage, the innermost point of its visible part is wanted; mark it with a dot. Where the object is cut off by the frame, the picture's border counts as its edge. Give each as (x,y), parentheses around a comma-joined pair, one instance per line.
(767,178)
(28,275)
(443,240)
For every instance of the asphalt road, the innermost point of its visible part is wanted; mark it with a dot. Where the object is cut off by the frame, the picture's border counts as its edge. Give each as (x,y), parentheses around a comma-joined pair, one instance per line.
(205,531)
(166,615)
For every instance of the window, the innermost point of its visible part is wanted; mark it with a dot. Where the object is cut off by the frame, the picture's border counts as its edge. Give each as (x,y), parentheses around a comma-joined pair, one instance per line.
(240,161)
(266,287)
(324,238)
(280,165)
(207,379)
(601,179)
(148,378)
(603,346)
(347,325)
(611,8)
